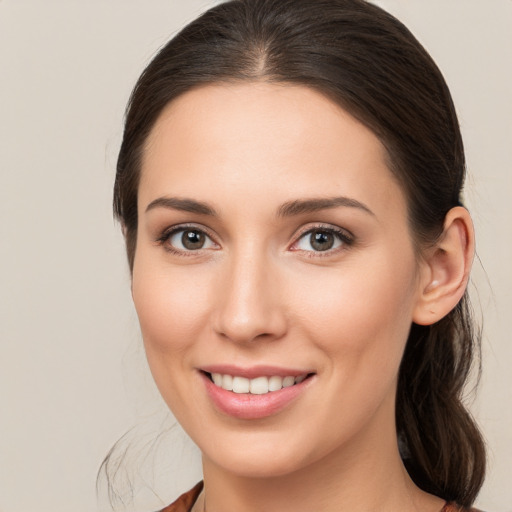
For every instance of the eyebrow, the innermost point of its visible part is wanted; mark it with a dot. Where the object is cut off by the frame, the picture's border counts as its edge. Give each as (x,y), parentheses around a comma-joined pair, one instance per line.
(182,204)
(302,206)
(288,209)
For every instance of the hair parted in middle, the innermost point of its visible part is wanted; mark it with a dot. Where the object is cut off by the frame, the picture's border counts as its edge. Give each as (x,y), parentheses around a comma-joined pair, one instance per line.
(368,62)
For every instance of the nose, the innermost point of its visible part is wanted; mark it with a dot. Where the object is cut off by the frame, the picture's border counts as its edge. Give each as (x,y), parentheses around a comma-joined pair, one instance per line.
(248,305)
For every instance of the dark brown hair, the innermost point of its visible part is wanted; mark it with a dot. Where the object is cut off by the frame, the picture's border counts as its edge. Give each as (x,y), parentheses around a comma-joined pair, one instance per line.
(369,63)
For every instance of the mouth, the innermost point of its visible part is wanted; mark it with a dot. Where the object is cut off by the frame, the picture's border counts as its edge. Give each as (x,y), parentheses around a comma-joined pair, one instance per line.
(260,385)
(255,392)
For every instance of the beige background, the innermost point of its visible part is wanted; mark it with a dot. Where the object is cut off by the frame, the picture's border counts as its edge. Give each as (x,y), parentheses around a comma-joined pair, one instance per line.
(72,373)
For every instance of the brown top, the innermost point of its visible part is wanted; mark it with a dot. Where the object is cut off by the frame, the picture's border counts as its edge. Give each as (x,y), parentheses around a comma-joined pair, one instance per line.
(185,502)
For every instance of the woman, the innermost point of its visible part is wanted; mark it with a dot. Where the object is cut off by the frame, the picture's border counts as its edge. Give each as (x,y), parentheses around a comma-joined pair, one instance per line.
(289,188)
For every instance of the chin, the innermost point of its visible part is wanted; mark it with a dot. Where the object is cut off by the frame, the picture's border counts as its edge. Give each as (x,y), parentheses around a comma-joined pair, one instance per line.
(261,456)
(267,466)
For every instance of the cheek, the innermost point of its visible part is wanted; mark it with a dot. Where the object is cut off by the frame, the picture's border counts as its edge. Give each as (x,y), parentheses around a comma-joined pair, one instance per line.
(171,306)
(173,311)
(364,311)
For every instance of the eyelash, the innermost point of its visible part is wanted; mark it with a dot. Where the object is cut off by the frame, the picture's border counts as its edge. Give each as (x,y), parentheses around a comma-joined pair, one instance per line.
(345,238)
(166,235)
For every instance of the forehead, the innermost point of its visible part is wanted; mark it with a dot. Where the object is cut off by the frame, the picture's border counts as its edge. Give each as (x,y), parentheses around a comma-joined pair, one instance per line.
(257,138)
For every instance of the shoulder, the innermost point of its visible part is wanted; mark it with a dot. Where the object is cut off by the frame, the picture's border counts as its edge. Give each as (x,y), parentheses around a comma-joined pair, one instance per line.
(185,502)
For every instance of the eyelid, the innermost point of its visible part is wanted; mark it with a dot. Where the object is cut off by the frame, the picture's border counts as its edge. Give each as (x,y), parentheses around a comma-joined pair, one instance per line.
(345,236)
(168,232)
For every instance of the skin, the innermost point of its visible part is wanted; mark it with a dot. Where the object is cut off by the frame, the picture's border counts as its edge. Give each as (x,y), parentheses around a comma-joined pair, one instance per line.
(258,293)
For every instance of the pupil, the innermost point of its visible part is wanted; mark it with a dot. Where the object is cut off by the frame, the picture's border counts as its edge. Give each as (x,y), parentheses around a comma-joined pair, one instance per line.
(322,240)
(192,239)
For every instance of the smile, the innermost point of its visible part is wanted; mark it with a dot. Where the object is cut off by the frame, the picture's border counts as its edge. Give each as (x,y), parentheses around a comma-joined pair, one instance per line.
(257,386)
(256,392)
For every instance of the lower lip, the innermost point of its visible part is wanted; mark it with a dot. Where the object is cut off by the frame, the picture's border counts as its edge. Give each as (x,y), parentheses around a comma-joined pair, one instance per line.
(250,407)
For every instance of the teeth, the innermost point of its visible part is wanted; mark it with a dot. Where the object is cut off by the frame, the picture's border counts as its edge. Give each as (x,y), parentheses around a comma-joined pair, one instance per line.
(299,379)
(227,382)
(288,381)
(275,383)
(257,386)
(240,385)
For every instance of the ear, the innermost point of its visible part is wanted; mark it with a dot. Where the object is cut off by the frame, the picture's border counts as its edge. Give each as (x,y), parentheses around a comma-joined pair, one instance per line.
(445,268)
(123,229)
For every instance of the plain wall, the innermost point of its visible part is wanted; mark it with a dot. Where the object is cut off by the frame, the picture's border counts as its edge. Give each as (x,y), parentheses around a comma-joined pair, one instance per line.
(73,377)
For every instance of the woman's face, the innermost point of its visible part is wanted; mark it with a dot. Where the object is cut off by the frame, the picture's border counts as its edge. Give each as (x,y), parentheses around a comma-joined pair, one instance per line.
(273,248)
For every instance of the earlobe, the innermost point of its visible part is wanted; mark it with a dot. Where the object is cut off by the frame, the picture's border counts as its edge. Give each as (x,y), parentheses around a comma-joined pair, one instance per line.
(446,268)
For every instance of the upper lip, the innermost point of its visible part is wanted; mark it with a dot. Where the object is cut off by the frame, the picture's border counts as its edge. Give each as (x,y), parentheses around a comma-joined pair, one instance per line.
(254,371)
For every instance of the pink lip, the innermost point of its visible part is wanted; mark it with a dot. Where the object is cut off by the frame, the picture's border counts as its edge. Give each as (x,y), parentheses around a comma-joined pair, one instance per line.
(250,407)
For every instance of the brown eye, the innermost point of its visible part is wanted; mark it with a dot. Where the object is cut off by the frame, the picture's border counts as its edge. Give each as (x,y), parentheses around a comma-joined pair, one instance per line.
(192,239)
(321,240)
(189,239)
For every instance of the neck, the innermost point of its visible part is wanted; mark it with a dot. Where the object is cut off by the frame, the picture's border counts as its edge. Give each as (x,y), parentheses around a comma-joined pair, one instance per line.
(363,477)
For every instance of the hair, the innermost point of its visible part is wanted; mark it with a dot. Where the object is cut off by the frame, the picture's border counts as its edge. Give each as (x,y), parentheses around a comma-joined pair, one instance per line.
(368,62)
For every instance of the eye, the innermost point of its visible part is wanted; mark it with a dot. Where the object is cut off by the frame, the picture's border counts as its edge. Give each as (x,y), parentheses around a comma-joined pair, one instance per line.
(322,240)
(187,240)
